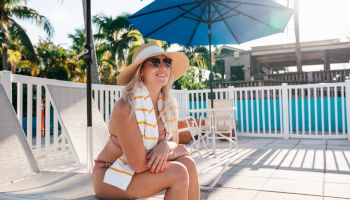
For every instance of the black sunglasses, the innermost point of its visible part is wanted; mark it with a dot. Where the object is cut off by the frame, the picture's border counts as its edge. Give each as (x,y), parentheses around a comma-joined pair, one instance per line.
(156,62)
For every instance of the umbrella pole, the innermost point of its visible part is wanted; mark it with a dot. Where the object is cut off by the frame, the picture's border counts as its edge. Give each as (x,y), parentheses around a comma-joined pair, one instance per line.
(89,131)
(211,75)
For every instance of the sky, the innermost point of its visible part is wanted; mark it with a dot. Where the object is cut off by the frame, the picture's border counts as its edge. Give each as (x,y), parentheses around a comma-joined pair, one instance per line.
(319,19)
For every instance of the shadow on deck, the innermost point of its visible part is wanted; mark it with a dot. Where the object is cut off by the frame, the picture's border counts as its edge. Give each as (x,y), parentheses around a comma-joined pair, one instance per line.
(262,169)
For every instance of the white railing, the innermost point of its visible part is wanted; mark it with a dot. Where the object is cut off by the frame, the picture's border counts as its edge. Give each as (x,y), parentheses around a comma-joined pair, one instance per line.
(105,96)
(259,111)
(318,110)
(38,117)
(302,111)
(199,99)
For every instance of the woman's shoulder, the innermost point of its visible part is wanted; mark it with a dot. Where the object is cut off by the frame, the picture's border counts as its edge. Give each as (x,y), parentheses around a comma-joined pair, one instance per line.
(121,108)
(120,115)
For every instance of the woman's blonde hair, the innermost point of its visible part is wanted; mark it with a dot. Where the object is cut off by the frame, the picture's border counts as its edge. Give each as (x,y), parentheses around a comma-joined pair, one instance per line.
(170,106)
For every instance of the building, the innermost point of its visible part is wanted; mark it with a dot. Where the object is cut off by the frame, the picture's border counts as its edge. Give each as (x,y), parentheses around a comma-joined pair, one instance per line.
(274,64)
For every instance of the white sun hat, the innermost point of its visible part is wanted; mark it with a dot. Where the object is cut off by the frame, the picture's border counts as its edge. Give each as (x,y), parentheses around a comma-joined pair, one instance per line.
(179,65)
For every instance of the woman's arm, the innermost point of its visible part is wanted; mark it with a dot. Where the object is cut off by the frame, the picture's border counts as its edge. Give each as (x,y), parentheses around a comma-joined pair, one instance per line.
(159,155)
(124,125)
(179,151)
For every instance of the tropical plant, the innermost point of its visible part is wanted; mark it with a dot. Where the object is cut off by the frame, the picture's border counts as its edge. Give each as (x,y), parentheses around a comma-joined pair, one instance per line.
(117,36)
(78,40)
(19,61)
(199,59)
(58,63)
(10,11)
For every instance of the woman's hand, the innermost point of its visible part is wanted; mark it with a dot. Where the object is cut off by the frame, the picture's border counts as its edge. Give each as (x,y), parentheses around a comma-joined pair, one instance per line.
(158,157)
(179,151)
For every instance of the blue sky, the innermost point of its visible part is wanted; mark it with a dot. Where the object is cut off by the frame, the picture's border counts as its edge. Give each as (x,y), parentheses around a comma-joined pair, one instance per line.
(319,19)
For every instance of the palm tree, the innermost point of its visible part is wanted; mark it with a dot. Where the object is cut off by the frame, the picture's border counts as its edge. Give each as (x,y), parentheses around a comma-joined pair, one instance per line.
(95,78)
(199,60)
(58,63)
(117,36)
(78,40)
(11,9)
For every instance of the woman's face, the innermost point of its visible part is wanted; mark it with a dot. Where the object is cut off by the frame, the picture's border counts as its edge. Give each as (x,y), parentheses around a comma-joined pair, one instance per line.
(156,71)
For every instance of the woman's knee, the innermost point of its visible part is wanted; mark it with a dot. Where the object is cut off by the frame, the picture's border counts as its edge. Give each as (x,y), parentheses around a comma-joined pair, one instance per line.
(179,173)
(190,165)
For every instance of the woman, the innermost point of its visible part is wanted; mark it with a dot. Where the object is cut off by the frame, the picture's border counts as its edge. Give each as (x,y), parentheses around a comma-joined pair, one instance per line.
(142,156)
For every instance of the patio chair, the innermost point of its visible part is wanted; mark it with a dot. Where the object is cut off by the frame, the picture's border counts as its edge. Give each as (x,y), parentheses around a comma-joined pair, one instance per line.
(196,135)
(16,158)
(21,177)
(221,124)
(70,104)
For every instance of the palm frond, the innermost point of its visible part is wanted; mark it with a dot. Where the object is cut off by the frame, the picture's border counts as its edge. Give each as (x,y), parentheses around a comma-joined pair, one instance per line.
(19,33)
(25,13)
(101,21)
(12,2)
(4,33)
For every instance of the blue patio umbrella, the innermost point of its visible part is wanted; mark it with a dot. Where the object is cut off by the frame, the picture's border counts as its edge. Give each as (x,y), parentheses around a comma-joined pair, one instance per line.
(208,22)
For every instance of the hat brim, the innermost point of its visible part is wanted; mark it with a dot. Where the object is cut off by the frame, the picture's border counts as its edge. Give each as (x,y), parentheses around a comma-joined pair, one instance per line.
(179,66)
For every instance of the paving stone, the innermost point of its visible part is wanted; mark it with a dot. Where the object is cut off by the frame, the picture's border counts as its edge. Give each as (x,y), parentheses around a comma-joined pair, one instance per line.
(251,172)
(229,193)
(284,196)
(337,190)
(298,175)
(242,182)
(294,186)
(337,178)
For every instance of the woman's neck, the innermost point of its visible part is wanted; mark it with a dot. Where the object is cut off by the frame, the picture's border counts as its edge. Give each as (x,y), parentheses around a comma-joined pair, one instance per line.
(154,93)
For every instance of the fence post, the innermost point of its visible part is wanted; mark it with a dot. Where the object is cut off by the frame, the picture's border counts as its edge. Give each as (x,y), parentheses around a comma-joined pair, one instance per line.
(183,104)
(231,92)
(6,81)
(347,96)
(285,110)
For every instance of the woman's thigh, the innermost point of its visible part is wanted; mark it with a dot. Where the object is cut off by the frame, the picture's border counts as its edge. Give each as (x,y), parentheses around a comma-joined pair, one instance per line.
(106,191)
(143,184)
(146,184)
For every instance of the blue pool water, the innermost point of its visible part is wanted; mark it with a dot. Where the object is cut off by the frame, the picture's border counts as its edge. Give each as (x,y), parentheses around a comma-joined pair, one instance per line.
(249,109)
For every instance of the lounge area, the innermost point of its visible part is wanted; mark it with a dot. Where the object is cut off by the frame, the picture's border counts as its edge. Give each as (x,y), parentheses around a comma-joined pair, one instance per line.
(262,169)
(280,155)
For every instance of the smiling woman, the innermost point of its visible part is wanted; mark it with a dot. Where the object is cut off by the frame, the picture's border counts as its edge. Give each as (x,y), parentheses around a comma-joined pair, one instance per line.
(148,158)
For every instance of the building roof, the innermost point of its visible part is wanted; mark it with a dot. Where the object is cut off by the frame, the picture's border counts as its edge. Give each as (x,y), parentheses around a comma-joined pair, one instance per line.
(313,53)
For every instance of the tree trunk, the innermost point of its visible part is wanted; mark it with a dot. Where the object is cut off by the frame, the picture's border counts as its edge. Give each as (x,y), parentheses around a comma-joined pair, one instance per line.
(94,70)
(5,66)
(297,39)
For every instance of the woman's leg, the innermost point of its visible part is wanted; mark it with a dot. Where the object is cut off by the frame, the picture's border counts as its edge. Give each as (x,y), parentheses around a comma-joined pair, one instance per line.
(194,188)
(174,179)
(106,191)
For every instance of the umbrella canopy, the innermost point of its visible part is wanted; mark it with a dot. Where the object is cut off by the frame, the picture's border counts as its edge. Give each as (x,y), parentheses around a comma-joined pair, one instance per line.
(207,22)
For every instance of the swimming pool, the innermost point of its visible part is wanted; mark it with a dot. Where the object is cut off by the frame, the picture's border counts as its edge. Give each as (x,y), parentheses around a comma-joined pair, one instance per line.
(251,111)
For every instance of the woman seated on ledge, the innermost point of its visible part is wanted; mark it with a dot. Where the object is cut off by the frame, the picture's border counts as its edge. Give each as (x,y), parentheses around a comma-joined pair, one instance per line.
(142,156)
